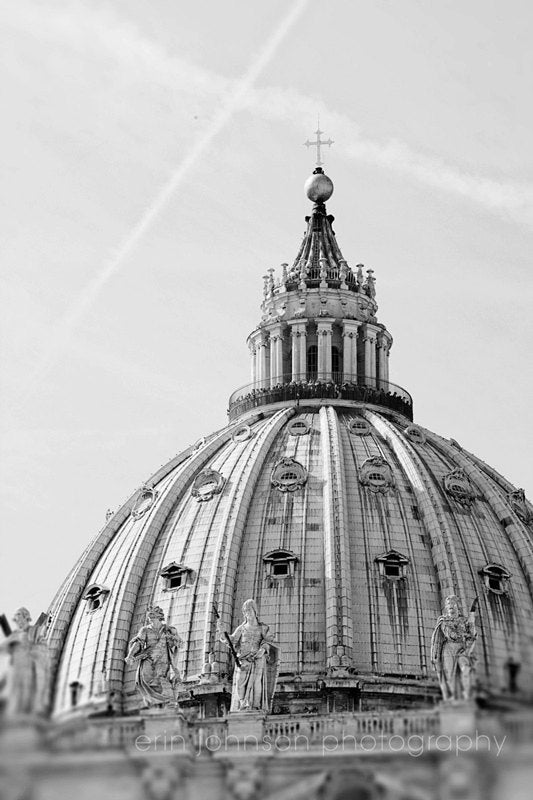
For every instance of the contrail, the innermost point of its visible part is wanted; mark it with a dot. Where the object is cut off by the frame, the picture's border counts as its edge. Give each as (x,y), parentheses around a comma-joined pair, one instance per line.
(88,296)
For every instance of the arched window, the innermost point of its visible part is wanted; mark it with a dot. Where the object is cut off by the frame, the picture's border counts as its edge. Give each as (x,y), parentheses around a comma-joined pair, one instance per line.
(75,692)
(312,362)
(336,361)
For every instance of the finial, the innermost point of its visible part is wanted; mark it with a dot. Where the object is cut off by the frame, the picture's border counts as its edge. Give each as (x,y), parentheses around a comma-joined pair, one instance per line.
(318,187)
(318,144)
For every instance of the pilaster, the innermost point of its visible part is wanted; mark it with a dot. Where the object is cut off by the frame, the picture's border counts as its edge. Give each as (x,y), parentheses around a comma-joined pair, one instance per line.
(324,331)
(384,344)
(369,338)
(276,354)
(349,338)
(299,349)
(257,345)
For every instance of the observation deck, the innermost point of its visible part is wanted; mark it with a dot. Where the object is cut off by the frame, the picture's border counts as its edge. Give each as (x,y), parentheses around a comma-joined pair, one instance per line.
(310,386)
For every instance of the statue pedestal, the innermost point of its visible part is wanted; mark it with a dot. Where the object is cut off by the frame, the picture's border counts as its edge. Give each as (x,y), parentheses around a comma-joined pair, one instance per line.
(164,729)
(246,728)
(457,717)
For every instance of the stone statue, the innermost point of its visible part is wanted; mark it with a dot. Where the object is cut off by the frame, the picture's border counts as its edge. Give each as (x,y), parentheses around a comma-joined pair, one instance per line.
(452,646)
(155,649)
(256,662)
(27,680)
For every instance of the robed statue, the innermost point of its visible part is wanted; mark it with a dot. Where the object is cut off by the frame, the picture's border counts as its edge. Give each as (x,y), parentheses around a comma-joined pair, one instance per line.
(452,646)
(155,650)
(26,683)
(256,662)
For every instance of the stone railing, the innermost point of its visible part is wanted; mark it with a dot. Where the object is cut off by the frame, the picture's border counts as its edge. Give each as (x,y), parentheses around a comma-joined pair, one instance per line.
(358,731)
(390,723)
(311,386)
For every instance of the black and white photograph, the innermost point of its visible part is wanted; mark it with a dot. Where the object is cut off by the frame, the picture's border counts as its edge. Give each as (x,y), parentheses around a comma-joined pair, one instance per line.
(265,400)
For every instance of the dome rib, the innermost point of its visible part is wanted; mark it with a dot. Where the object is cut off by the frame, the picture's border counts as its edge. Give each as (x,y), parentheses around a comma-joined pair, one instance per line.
(445,558)
(423,643)
(339,617)
(222,581)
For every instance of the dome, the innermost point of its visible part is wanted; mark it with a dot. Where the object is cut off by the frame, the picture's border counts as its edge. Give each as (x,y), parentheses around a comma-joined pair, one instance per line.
(347,522)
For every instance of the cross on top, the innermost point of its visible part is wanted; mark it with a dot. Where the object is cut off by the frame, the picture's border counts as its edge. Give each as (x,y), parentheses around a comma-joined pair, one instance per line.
(318,144)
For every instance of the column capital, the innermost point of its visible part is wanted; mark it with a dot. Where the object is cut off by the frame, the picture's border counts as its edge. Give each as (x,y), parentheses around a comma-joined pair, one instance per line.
(297,326)
(324,325)
(275,330)
(351,325)
(257,337)
(384,340)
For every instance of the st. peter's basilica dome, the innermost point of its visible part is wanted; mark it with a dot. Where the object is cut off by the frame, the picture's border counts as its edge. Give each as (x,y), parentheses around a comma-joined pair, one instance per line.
(347,522)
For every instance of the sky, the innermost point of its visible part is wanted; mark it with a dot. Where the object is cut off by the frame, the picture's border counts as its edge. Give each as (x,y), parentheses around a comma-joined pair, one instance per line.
(153,170)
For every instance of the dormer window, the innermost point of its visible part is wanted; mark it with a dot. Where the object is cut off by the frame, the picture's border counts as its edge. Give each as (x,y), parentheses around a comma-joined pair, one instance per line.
(95,596)
(280,564)
(495,578)
(176,576)
(392,565)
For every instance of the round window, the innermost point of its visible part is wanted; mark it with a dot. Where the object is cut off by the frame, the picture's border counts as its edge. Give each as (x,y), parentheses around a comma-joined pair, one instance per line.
(298,427)
(377,478)
(359,426)
(458,488)
(415,434)
(207,488)
(143,503)
(288,475)
(207,484)
(242,433)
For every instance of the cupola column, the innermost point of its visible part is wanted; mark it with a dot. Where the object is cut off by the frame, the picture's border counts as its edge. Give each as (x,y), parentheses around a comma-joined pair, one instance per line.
(369,339)
(349,337)
(299,349)
(260,358)
(253,361)
(254,344)
(324,333)
(276,355)
(384,345)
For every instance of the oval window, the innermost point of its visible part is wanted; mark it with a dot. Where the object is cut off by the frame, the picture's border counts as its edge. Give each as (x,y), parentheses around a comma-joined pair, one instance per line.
(298,427)
(241,434)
